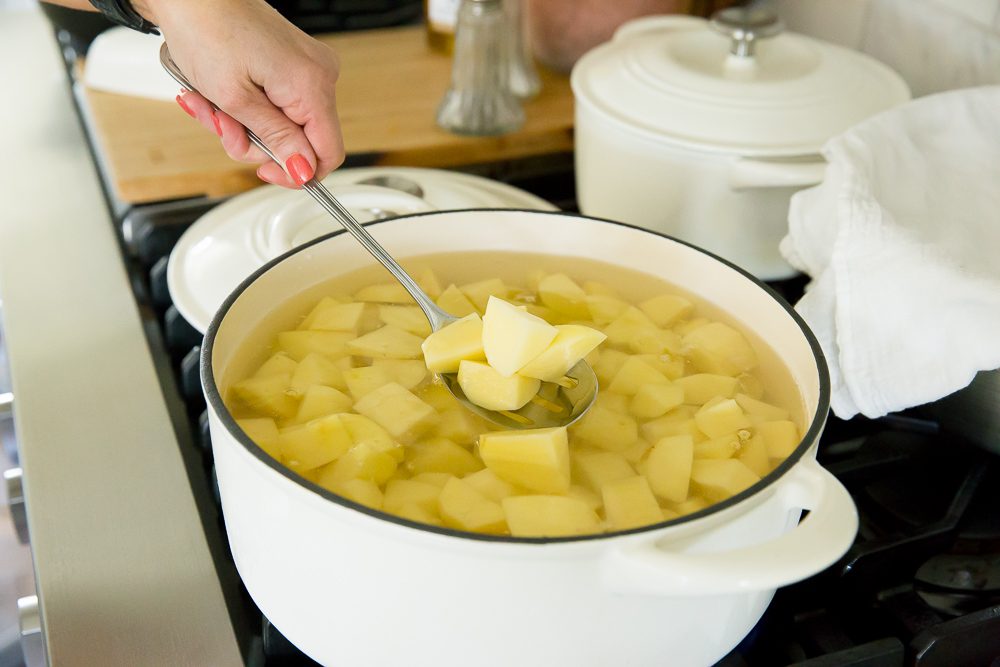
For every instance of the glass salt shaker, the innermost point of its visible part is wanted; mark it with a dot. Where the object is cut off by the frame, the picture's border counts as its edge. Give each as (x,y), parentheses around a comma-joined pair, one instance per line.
(480,100)
(524,81)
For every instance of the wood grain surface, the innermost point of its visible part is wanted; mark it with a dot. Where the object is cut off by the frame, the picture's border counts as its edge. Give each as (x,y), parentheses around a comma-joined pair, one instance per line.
(389,90)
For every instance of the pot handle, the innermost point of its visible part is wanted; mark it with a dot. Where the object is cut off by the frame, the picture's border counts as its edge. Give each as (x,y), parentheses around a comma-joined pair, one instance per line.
(747,173)
(810,547)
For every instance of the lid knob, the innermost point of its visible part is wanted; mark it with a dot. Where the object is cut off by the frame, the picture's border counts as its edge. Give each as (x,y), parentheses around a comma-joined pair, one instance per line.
(745,25)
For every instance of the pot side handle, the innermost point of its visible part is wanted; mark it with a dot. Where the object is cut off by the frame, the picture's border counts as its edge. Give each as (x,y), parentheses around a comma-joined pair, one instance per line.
(747,173)
(810,547)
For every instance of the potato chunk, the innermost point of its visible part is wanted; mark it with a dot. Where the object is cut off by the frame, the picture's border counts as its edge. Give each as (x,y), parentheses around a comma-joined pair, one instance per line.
(270,395)
(597,468)
(701,387)
(666,309)
(512,337)
(464,508)
(453,302)
(398,411)
(721,418)
(572,343)
(488,389)
(384,293)
(315,368)
(558,292)
(655,400)
(320,401)
(669,467)
(278,363)
(781,437)
(366,379)
(479,293)
(362,461)
(718,479)
(719,348)
(486,482)
(389,342)
(315,443)
(400,492)
(445,349)
(441,455)
(407,318)
(264,432)
(633,374)
(407,372)
(536,459)
(298,344)
(629,503)
(549,516)
(331,315)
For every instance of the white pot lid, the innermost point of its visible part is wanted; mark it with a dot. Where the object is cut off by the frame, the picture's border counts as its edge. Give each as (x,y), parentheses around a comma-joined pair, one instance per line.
(234,239)
(678,79)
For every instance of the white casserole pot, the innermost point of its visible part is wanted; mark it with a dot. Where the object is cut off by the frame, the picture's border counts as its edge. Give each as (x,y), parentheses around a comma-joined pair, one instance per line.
(353,586)
(704,131)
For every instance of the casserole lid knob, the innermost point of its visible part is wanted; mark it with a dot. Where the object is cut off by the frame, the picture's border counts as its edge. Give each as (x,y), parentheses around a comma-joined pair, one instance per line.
(745,25)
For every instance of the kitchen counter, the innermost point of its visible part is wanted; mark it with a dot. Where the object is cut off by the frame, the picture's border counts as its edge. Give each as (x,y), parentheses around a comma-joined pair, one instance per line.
(116,538)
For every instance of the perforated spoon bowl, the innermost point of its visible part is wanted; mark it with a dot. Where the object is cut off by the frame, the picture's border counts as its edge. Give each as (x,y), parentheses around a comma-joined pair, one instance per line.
(555,405)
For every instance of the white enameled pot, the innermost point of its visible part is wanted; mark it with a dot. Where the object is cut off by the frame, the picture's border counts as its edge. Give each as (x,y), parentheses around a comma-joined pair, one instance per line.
(353,586)
(684,129)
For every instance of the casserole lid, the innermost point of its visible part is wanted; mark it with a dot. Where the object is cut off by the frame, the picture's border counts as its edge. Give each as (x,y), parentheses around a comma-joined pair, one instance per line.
(735,84)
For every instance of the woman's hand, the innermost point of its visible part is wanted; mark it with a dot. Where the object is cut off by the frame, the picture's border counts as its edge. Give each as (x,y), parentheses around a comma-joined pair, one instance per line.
(263,73)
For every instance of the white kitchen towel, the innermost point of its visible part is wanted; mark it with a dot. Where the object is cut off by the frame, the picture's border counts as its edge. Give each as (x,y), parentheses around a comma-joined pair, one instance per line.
(902,241)
(126,62)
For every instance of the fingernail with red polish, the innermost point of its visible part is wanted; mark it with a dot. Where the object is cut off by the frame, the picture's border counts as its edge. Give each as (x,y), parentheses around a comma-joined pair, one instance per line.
(299,168)
(218,126)
(183,105)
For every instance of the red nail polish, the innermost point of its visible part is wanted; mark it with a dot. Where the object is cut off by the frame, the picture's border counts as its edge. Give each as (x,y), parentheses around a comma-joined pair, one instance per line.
(299,168)
(183,105)
(218,126)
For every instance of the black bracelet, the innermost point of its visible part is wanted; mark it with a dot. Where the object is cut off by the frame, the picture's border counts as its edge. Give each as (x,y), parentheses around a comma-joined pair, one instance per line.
(122,13)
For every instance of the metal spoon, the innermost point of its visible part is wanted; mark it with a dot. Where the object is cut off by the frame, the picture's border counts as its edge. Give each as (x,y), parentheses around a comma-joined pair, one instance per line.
(555,405)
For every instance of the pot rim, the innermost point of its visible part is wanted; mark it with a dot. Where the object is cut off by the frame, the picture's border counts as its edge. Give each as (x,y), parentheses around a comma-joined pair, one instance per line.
(216,404)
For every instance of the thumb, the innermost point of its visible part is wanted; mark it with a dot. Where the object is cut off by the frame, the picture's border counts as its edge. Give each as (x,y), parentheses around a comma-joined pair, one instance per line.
(282,136)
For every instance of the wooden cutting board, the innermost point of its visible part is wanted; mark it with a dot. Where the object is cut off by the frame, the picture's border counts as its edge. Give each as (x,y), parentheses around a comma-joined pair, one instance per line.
(389,89)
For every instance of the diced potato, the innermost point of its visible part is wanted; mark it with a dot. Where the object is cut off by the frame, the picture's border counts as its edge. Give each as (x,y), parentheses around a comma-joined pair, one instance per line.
(453,302)
(389,342)
(649,340)
(760,409)
(781,437)
(536,459)
(722,447)
(512,337)
(701,387)
(419,514)
(718,479)
(464,508)
(485,387)
(547,314)
(750,385)
(299,344)
(597,468)
(608,365)
(549,516)
(400,492)
(362,461)
(428,282)
(592,287)
(318,369)
(637,451)
(624,327)
(407,372)
(479,293)
(679,421)
(362,491)
(438,479)
(655,400)
(459,425)
(366,379)
(672,367)
(324,303)
(270,395)
(666,309)
(558,292)
(668,467)
(407,318)
(754,455)
(314,443)
(591,499)
(384,293)
(331,315)
(445,349)
(719,348)
(264,432)
(605,309)
(630,503)
(571,344)
(633,374)
(685,327)
(486,482)
(606,429)
(615,402)
(690,506)
(398,411)
(725,416)
(278,363)
(441,455)
(319,401)
(364,430)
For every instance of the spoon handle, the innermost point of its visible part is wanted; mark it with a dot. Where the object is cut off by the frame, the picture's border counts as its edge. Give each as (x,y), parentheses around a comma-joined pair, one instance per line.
(437,317)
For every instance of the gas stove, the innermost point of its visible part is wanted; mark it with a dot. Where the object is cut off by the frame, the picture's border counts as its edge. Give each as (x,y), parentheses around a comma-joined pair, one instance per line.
(920,586)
